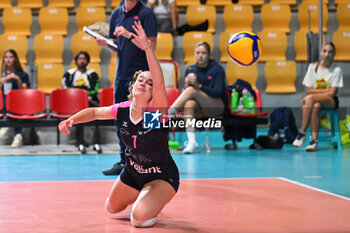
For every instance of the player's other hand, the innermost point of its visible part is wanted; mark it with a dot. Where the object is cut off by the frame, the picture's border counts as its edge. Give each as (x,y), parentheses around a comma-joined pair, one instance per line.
(140,36)
(64,125)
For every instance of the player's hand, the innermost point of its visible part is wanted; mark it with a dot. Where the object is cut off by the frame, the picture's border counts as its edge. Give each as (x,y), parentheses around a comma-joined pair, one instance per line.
(121,31)
(101,42)
(140,36)
(64,125)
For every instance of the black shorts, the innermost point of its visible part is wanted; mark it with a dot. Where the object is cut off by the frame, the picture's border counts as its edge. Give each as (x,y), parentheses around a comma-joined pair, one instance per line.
(136,180)
(336,101)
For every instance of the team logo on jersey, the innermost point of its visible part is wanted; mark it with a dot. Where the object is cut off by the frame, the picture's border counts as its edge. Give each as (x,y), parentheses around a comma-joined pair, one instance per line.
(151,120)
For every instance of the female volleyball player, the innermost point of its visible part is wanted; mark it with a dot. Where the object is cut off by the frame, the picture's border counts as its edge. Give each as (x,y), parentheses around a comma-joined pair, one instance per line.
(150,178)
(322,80)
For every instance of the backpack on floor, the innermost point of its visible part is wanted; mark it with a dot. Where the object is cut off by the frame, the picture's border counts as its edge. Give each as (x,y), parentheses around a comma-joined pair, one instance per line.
(269,142)
(282,120)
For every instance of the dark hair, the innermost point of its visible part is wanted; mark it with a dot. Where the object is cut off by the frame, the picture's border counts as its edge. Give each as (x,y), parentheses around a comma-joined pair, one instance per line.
(331,44)
(87,56)
(131,84)
(18,66)
(205,44)
(326,43)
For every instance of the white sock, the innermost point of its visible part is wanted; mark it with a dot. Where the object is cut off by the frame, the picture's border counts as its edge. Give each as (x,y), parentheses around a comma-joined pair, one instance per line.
(147,223)
(191,135)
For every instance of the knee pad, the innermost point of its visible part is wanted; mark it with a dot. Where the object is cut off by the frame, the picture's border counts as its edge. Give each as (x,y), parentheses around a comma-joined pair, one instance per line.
(107,206)
(143,192)
(147,223)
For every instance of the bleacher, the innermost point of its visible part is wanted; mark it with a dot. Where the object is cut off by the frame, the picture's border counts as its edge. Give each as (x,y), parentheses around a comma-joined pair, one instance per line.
(37,31)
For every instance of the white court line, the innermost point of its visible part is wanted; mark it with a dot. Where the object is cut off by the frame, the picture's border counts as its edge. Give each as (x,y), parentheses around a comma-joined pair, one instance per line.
(313,188)
(233,178)
(312,177)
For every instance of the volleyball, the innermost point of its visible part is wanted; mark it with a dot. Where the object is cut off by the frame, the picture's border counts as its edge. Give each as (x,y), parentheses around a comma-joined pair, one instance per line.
(244,48)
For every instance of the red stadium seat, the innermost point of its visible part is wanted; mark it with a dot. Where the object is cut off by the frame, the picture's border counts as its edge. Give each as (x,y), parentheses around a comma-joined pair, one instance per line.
(106,96)
(171,72)
(66,102)
(106,99)
(26,105)
(172,94)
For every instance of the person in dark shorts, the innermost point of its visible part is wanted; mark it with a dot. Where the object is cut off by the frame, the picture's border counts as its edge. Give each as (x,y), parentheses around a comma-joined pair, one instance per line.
(322,80)
(150,178)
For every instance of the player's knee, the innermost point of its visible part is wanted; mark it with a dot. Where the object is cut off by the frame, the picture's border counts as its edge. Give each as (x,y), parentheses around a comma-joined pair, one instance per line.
(107,206)
(142,223)
(110,207)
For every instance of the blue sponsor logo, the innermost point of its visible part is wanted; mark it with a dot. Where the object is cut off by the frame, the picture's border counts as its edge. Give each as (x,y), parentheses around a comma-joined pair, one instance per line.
(151,120)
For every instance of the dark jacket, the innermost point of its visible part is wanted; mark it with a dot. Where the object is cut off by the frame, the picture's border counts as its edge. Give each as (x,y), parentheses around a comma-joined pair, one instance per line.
(212,79)
(92,86)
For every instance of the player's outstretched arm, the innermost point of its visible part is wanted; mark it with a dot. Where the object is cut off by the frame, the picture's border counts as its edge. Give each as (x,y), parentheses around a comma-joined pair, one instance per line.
(159,100)
(85,115)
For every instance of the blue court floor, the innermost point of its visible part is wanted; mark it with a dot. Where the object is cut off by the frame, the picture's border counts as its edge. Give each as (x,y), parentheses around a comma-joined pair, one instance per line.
(327,169)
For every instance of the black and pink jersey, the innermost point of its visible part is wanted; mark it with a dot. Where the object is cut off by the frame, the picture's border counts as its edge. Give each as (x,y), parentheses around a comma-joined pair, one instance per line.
(147,151)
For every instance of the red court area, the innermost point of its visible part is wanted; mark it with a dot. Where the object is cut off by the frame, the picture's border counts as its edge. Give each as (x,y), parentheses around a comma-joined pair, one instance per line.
(210,205)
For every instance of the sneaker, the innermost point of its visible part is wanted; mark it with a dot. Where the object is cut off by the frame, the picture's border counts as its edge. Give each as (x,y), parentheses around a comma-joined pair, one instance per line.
(190,148)
(299,140)
(4,132)
(231,146)
(17,140)
(312,146)
(115,170)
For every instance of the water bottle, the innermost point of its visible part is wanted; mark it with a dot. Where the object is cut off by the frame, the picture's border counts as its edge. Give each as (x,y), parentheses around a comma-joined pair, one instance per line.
(234,100)
(347,125)
(245,93)
(251,104)
(240,108)
(281,133)
(191,70)
(206,143)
